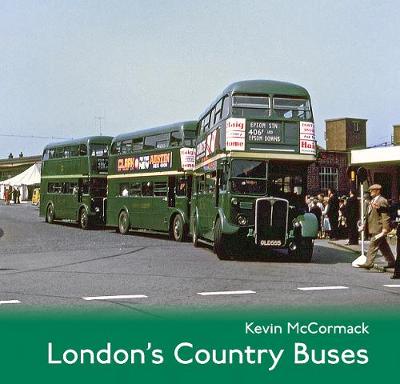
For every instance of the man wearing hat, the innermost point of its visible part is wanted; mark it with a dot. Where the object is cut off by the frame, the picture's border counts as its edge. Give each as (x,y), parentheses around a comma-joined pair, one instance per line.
(378,225)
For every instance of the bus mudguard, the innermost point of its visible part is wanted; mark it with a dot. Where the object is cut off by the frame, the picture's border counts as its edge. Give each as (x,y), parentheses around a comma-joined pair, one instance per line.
(309,225)
(227,228)
(179,212)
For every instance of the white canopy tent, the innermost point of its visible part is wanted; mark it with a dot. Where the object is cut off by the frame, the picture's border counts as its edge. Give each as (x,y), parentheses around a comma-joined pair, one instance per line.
(31,176)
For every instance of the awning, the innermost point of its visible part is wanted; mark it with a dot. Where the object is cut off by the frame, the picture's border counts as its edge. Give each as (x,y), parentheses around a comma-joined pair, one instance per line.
(30,176)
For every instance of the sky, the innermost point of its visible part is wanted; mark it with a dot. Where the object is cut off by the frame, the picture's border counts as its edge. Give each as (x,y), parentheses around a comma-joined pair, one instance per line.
(67,67)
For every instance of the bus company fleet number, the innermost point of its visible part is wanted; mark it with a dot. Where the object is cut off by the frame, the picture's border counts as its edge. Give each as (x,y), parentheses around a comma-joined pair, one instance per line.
(264,132)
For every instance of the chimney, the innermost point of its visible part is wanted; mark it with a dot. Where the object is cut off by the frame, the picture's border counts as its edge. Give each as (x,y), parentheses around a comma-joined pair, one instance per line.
(396,134)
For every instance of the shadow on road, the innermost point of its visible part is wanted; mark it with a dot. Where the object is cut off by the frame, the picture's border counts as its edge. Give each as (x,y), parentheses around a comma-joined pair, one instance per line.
(322,255)
(143,233)
(1,232)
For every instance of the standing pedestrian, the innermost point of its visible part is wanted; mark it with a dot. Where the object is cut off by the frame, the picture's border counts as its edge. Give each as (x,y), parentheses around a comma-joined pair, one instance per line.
(332,212)
(396,274)
(316,210)
(9,195)
(342,219)
(353,215)
(378,226)
(14,195)
(5,195)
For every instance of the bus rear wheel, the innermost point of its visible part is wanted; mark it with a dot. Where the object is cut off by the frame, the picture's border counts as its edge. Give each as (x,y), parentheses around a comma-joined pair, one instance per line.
(84,219)
(123,223)
(220,243)
(178,229)
(50,214)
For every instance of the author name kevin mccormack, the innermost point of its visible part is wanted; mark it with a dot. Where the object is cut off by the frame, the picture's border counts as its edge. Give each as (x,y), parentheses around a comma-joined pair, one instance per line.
(309,328)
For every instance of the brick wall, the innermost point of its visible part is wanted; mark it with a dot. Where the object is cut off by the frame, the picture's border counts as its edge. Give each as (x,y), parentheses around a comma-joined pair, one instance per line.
(329,159)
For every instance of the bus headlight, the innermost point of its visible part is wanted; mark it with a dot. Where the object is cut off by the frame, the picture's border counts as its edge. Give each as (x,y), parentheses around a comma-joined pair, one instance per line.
(234,201)
(242,220)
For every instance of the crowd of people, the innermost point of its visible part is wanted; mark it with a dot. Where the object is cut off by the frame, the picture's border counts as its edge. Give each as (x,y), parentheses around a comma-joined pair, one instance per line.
(337,217)
(11,194)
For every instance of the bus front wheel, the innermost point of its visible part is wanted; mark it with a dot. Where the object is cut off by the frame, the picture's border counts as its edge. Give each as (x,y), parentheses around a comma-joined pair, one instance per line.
(84,219)
(303,252)
(50,214)
(123,223)
(178,229)
(220,245)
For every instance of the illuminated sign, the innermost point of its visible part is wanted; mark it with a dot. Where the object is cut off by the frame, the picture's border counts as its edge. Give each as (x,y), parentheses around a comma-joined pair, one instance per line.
(159,161)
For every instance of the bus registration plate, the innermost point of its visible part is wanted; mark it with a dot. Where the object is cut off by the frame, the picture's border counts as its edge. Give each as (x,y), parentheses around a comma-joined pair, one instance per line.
(270,243)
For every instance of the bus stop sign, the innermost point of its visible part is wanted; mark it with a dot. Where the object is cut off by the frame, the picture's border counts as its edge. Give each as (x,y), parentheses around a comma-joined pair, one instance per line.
(361,175)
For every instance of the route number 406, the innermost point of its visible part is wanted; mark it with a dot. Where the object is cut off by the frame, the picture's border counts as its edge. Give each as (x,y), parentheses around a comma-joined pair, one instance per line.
(256,132)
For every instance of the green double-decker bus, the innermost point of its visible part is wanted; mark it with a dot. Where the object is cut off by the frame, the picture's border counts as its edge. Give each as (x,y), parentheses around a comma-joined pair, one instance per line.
(74,180)
(150,179)
(253,146)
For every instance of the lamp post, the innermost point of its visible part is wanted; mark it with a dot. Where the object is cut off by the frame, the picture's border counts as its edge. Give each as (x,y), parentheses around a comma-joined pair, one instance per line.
(361,177)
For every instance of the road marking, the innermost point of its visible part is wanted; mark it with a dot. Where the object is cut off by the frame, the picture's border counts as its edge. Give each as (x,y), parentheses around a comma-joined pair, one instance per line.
(392,285)
(225,293)
(114,297)
(322,288)
(10,302)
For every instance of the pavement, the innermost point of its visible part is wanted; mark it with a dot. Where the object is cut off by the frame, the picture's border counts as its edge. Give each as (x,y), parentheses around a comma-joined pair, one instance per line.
(356,249)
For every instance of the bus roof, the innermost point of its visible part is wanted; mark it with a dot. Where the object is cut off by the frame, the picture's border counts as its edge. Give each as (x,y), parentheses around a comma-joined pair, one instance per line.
(262,87)
(182,125)
(82,140)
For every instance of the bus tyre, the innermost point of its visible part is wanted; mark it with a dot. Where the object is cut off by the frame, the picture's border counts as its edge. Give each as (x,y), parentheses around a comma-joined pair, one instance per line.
(84,219)
(178,229)
(220,246)
(123,223)
(304,251)
(50,214)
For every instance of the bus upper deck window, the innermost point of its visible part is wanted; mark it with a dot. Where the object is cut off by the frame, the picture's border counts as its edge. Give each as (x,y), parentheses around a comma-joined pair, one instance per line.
(247,101)
(176,139)
(83,150)
(292,108)
(46,155)
(126,146)
(74,151)
(115,148)
(189,139)
(99,150)
(137,144)
(162,140)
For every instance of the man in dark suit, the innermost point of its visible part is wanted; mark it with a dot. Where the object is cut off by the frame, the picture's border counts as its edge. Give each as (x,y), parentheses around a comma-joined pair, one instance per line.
(352,214)
(396,274)
(333,213)
(395,216)
(378,225)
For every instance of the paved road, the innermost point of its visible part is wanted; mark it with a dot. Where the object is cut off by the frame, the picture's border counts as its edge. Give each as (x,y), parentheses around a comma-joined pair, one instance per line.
(44,266)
